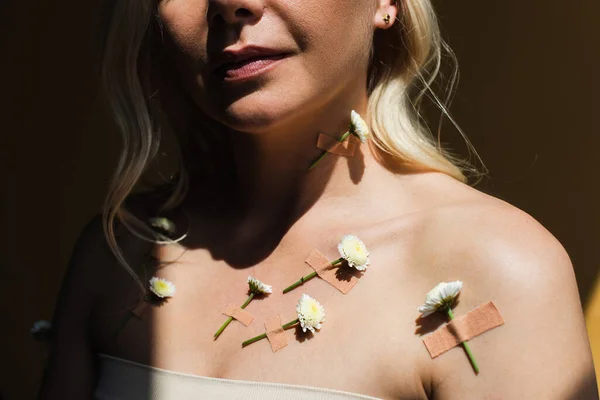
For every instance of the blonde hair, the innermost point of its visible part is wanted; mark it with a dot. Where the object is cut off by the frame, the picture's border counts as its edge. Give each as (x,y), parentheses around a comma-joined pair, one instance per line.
(405,60)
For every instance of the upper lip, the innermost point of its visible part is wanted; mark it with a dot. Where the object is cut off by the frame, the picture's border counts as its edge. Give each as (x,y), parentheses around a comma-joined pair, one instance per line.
(236,55)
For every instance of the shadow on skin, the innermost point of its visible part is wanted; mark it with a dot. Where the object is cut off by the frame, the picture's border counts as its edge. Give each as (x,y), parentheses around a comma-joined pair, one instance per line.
(218,230)
(302,336)
(345,272)
(431,322)
(218,225)
(356,166)
(218,218)
(586,389)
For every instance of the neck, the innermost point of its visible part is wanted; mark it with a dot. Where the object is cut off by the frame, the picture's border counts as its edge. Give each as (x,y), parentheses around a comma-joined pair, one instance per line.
(274,187)
(272,167)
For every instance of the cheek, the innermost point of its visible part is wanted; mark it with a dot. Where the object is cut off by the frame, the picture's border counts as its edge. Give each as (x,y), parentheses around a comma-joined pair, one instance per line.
(184,24)
(337,34)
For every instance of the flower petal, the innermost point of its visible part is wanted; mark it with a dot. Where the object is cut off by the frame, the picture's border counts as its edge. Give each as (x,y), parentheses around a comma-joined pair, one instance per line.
(163,224)
(310,313)
(441,296)
(40,326)
(359,127)
(257,287)
(354,251)
(162,287)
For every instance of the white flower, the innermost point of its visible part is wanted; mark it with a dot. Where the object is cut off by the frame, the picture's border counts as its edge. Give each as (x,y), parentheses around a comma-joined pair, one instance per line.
(440,297)
(163,224)
(354,251)
(310,313)
(162,287)
(41,327)
(257,287)
(359,127)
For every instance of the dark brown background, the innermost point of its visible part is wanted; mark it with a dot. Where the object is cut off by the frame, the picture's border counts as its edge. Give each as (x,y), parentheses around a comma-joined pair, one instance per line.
(528,99)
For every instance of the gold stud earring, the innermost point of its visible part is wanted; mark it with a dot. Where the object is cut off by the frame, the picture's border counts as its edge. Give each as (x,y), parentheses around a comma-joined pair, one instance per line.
(386,18)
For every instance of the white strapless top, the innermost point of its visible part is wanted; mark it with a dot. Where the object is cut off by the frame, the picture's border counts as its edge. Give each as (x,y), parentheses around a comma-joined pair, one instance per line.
(125,380)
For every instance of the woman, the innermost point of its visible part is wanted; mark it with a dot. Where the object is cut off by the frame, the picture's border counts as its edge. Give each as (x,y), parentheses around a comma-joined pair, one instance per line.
(248,87)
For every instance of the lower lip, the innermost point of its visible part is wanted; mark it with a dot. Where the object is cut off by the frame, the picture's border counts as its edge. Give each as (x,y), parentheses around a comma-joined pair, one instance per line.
(251,69)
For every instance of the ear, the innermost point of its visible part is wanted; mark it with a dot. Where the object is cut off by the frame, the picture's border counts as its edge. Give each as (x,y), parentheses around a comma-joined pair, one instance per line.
(385,8)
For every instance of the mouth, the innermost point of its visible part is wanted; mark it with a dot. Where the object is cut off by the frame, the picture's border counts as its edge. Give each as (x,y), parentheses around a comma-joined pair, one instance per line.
(248,68)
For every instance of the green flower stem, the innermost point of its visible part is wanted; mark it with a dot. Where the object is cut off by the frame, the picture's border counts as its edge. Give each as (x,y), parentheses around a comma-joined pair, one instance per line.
(264,335)
(466,346)
(309,277)
(324,153)
(122,325)
(222,328)
(290,324)
(300,282)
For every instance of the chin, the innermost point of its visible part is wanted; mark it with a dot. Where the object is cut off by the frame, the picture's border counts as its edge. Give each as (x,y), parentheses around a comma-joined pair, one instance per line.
(269,102)
(251,121)
(259,112)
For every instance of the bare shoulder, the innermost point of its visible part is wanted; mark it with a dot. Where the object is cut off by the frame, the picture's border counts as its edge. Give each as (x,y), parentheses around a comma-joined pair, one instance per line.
(70,371)
(92,264)
(93,274)
(502,254)
(501,244)
(93,261)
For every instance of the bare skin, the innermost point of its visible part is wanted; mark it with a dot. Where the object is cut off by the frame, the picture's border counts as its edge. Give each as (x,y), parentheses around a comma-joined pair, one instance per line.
(421,228)
(370,342)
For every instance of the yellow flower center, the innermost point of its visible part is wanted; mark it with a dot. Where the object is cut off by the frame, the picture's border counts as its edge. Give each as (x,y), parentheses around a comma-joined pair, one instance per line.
(161,285)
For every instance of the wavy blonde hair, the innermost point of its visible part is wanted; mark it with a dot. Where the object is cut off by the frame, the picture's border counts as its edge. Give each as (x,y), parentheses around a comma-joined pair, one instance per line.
(405,61)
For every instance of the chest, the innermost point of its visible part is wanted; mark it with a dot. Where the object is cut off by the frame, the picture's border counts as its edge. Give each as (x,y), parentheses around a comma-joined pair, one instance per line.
(366,344)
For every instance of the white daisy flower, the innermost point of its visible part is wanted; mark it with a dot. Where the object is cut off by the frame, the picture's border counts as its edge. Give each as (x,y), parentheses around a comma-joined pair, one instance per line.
(359,127)
(40,328)
(257,287)
(310,313)
(354,251)
(162,287)
(163,224)
(440,297)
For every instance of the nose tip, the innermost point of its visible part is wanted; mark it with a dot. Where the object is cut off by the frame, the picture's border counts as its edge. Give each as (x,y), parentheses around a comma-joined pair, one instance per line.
(234,12)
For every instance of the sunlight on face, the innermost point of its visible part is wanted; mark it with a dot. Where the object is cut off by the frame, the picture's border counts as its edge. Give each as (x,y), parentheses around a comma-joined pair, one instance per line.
(324,47)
